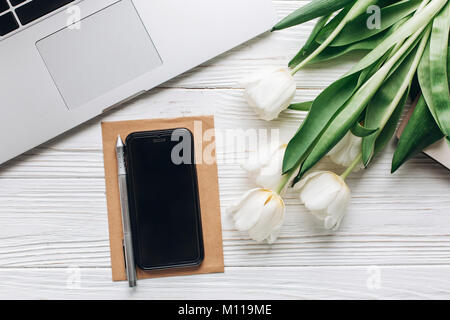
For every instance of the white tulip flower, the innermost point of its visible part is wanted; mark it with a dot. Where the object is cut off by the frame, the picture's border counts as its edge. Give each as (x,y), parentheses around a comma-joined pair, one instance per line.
(271,93)
(266,169)
(346,151)
(260,212)
(326,196)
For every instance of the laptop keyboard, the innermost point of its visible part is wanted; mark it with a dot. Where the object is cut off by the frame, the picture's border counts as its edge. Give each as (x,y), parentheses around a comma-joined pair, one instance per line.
(17,13)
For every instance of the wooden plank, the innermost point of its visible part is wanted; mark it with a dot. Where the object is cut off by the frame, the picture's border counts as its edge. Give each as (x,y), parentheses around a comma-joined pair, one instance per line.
(57,222)
(237,283)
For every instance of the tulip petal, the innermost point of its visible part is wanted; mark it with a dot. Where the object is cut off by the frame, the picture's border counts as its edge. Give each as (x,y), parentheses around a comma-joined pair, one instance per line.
(255,77)
(274,235)
(320,192)
(337,209)
(345,152)
(326,196)
(234,208)
(247,211)
(299,185)
(277,222)
(271,94)
(261,213)
(256,162)
(271,216)
(340,145)
(270,174)
(265,168)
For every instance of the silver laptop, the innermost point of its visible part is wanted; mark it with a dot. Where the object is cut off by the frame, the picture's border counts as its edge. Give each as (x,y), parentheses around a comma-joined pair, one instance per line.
(63,62)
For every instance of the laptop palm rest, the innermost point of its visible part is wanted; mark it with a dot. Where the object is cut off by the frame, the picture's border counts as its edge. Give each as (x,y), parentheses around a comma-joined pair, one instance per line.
(101,53)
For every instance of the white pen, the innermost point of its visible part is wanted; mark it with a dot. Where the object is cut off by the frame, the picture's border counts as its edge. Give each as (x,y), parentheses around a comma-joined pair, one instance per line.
(127,240)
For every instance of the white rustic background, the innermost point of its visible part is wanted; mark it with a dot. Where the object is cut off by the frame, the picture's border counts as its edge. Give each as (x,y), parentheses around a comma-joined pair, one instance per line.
(394,242)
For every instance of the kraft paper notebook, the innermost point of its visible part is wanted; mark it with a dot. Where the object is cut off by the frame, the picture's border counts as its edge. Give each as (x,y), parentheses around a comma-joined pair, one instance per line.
(207,184)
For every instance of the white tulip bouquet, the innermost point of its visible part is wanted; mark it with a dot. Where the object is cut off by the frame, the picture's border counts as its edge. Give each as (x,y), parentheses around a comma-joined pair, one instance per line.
(354,118)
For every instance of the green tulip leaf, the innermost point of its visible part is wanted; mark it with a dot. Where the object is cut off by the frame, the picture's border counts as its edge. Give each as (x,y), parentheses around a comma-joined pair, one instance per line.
(390,97)
(431,73)
(420,132)
(340,105)
(360,131)
(301,106)
(323,110)
(358,30)
(328,29)
(438,73)
(350,112)
(331,53)
(314,9)
(404,31)
(349,13)
(391,126)
(423,74)
(448,66)
(310,44)
(366,44)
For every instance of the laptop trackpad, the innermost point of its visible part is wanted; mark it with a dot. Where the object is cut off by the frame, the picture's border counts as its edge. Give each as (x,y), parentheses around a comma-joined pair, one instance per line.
(108,49)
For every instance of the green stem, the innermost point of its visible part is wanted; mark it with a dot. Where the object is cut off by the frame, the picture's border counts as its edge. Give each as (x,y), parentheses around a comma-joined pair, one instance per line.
(324,44)
(350,168)
(285,179)
(399,44)
(358,8)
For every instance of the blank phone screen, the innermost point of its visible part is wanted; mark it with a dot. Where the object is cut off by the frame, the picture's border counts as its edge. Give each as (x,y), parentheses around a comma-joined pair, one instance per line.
(164,202)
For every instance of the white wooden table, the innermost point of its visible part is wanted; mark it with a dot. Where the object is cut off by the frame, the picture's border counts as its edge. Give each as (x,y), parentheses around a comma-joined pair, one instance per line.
(394,242)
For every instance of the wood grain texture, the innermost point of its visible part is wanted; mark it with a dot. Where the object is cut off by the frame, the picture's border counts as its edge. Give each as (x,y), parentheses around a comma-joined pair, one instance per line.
(53,208)
(236,283)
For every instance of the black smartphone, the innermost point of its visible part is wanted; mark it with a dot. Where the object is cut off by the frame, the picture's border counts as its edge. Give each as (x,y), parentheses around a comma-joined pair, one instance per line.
(163,198)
